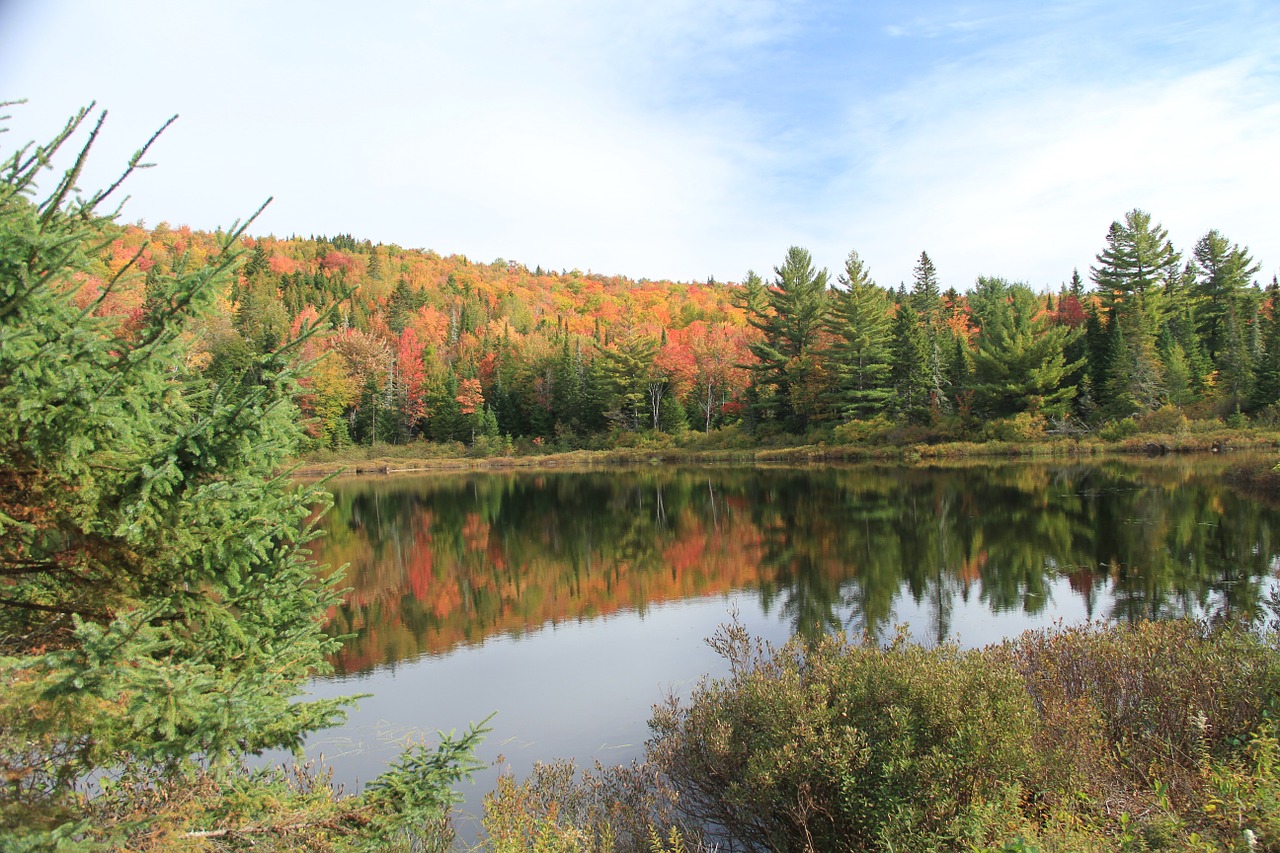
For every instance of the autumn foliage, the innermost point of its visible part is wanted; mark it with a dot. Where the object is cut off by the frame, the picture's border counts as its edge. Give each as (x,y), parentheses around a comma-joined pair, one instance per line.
(415,345)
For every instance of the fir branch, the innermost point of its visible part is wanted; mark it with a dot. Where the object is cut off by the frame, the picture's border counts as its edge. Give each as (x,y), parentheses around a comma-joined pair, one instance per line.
(135,163)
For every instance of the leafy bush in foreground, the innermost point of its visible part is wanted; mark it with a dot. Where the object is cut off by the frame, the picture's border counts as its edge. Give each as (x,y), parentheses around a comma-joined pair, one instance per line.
(600,810)
(1145,737)
(845,746)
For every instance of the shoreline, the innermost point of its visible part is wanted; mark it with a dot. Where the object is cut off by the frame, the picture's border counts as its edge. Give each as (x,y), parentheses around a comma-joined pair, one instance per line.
(426,458)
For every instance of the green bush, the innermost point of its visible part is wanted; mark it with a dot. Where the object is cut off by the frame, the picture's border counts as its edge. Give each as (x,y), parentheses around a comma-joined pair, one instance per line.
(1164,420)
(1119,430)
(1243,794)
(840,746)
(862,432)
(1145,737)
(1023,426)
(729,437)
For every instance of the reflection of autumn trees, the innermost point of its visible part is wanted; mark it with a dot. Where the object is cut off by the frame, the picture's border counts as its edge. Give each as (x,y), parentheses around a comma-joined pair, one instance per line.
(442,561)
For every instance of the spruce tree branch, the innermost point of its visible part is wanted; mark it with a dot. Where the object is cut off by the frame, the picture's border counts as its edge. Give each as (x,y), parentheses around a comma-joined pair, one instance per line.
(54,203)
(17,568)
(135,163)
(23,172)
(52,608)
(110,285)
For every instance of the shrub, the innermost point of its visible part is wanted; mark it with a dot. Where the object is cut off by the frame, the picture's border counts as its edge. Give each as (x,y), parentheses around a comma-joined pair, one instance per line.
(862,432)
(1145,737)
(556,809)
(1244,793)
(1166,419)
(841,746)
(729,437)
(1269,417)
(1124,705)
(1023,426)
(1118,430)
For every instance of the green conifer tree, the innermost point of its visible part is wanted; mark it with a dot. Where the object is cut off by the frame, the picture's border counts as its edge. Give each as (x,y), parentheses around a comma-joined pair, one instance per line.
(1266,382)
(1019,354)
(1225,271)
(1098,341)
(1138,259)
(910,372)
(860,327)
(790,322)
(1235,362)
(926,300)
(1076,287)
(158,610)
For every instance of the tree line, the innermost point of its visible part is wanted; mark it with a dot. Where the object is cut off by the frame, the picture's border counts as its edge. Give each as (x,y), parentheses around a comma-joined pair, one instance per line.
(1153,331)
(406,344)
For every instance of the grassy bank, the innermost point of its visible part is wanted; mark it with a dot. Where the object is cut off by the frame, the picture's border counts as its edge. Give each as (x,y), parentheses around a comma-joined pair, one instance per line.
(731,446)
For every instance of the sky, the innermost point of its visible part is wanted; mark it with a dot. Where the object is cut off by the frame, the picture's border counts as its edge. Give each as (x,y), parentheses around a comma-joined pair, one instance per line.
(679,139)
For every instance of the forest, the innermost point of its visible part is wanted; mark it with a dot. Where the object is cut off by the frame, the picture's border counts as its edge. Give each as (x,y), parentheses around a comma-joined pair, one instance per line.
(407,344)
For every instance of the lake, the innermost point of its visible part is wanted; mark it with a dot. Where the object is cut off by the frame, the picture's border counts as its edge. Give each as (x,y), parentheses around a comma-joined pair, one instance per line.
(570,602)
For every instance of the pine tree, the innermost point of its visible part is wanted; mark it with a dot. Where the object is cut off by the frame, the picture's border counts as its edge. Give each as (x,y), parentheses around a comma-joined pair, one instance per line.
(860,328)
(1178,380)
(752,298)
(926,293)
(402,304)
(926,300)
(567,389)
(1235,362)
(489,423)
(1136,272)
(1019,354)
(626,366)
(1138,258)
(1098,341)
(910,372)
(1179,332)
(1266,381)
(790,326)
(1225,272)
(1077,285)
(158,604)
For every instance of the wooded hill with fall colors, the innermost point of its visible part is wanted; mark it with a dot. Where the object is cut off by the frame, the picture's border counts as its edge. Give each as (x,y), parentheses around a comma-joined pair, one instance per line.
(409,344)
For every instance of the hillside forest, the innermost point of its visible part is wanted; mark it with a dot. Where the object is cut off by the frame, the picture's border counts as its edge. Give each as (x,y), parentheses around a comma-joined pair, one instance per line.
(409,344)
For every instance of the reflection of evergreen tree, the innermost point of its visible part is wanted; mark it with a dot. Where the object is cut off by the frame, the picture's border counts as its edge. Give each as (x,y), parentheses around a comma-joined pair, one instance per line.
(797,532)
(866,509)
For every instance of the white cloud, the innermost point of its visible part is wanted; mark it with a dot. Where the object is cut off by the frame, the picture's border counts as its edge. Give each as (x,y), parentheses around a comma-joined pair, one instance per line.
(675,138)
(995,177)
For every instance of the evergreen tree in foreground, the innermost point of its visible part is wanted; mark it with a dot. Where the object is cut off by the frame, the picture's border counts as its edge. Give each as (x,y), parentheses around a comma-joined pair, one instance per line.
(158,610)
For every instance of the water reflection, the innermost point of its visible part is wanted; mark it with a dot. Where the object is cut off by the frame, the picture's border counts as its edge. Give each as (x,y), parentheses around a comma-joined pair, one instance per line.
(440,562)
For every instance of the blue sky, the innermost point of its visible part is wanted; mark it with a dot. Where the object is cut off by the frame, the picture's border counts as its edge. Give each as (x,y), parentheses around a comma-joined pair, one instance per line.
(681,138)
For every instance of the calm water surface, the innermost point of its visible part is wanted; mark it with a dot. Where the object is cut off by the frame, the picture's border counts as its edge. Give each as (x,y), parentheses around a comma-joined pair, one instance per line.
(569,603)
